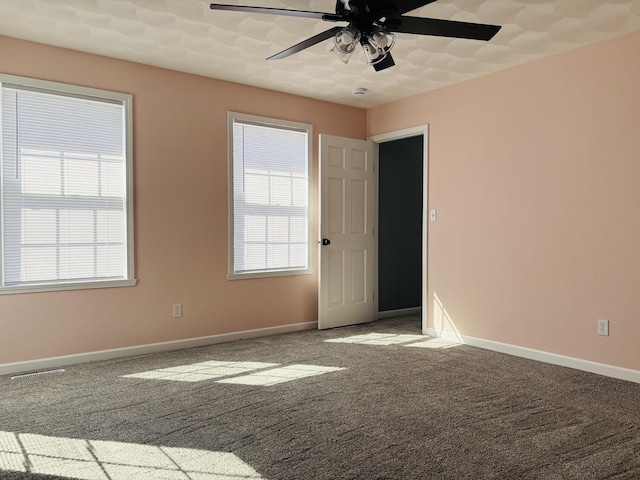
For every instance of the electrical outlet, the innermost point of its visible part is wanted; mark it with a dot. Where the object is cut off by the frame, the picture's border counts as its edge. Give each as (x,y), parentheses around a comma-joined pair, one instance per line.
(177,310)
(603,327)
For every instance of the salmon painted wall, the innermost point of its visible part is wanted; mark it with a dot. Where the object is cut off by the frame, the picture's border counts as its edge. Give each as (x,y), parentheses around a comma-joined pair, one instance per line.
(180,201)
(535,172)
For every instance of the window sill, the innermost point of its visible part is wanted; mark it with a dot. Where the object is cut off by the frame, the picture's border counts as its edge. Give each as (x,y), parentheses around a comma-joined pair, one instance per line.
(279,273)
(66,286)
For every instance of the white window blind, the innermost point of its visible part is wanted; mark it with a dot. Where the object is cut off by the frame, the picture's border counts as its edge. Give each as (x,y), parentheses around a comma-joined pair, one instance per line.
(270,183)
(64,187)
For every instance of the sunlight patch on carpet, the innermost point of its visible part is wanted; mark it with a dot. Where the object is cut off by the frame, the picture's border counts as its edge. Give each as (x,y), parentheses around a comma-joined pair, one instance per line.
(103,460)
(434,342)
(280,375)
(198,372)
(404,340)
(378,339)
(241,373)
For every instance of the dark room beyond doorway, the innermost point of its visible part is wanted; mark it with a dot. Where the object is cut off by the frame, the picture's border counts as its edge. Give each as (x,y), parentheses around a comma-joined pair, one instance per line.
(400,224)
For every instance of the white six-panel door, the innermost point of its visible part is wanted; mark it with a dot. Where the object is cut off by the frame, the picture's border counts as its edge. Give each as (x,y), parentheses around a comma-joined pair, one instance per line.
(346,281)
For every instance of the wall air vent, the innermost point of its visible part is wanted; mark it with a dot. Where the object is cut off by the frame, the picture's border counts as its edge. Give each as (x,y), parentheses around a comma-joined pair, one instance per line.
(37,374)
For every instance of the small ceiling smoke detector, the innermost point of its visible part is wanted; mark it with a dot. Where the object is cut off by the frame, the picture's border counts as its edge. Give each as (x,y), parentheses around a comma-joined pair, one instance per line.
(359,91)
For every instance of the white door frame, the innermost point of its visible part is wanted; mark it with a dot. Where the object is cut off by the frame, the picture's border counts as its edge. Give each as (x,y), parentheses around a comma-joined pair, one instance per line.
(398,135)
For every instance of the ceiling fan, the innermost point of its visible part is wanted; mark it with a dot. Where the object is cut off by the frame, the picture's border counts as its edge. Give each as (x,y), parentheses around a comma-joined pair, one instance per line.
(371,23)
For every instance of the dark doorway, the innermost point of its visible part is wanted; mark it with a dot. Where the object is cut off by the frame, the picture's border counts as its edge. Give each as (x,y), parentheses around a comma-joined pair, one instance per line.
(400,224)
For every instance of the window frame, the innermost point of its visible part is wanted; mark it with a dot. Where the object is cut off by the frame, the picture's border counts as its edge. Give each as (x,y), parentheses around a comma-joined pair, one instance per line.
(232,117)
(127,103)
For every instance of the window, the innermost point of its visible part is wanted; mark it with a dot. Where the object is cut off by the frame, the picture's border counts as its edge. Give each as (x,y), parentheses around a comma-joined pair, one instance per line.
(269,184)
(65,187)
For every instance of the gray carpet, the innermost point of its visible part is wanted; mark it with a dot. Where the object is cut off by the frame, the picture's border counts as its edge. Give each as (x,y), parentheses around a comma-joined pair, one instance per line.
(393,412)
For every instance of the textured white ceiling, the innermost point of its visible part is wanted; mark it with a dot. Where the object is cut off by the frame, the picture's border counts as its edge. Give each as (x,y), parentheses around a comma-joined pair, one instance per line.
(186,35)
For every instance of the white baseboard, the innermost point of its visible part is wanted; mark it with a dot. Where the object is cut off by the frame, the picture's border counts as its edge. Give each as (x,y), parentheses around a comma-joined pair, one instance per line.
(402,312)
(55,362)
(541,356)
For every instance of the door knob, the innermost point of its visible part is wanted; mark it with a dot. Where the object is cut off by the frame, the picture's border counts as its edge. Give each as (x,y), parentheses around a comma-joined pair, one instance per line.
(326,241)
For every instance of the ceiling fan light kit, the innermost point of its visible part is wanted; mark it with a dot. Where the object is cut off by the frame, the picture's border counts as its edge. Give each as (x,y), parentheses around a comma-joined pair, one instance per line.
(378,45)
(371,23)
(345,42)
(383,39)
(374,55)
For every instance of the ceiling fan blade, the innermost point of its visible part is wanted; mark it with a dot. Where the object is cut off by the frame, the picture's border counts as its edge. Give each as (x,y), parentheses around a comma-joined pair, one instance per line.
(405,6)
(309,42)
(443,28)
(272,11)
(386,63)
